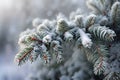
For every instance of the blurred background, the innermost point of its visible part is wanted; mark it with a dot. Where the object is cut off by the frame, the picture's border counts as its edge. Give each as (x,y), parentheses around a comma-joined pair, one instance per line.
(15,17)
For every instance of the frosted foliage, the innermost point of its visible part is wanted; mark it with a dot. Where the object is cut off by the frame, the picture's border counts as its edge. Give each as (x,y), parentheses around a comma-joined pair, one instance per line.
(113,66)
(36,22)
(75,48)
(64,78)
(86,41)
(75,67)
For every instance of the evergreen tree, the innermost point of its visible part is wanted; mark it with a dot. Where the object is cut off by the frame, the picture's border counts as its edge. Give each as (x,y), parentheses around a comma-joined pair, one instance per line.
(83,47)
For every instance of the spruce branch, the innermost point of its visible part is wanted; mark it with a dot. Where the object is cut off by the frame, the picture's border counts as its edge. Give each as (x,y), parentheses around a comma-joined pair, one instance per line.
(23,55)
(62,26)
(92,5)
(100,64)
(79,21)
(112,76)
(92,34)
(99,6)
(102,32)
(115,14)
(97,56)
(85,40)
(90,20)
(68,36)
